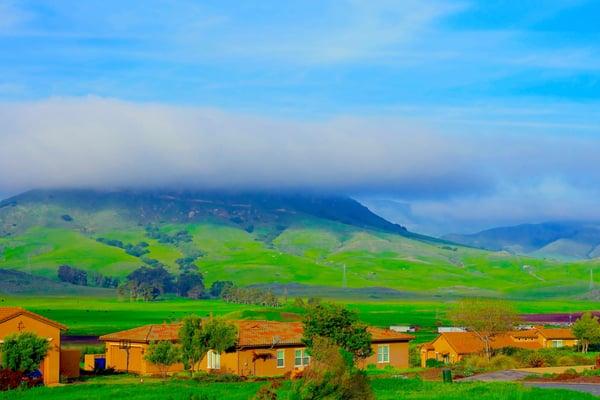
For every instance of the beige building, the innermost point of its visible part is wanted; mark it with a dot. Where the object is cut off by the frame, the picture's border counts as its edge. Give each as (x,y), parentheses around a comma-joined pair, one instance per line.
(452,347)
(263,348)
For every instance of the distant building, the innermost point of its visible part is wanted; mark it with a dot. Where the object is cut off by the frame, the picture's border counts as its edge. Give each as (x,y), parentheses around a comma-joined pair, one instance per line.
(403,328)
(263,348)
(14,320)
(445,329)
(452,347)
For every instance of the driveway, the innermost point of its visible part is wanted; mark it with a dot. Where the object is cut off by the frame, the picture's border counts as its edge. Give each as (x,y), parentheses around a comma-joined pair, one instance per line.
(497,376)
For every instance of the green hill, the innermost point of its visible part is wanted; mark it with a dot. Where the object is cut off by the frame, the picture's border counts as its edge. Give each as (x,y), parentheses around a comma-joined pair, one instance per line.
(273,239)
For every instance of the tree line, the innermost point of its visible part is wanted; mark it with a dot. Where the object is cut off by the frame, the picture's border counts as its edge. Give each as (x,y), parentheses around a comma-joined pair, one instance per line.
(80,277)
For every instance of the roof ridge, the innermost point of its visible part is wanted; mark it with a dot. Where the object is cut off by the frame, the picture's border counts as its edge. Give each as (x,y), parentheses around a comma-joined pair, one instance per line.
(18,310)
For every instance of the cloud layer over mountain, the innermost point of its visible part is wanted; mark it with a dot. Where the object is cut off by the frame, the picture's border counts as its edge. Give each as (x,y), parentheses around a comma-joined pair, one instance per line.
(99,142)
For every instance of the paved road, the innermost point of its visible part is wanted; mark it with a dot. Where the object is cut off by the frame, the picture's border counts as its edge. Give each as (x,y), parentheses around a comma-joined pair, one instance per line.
(587,388)
(497,376)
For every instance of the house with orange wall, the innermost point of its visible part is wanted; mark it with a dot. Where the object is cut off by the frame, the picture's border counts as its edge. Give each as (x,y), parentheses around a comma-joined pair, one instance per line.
(263,348)
(14,320)
(557,337)
(452,347)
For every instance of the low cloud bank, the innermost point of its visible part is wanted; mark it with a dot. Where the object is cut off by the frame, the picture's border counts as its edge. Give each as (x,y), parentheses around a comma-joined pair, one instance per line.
(98,142)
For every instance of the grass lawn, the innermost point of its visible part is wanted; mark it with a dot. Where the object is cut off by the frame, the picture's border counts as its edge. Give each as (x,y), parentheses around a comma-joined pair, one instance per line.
(385,389)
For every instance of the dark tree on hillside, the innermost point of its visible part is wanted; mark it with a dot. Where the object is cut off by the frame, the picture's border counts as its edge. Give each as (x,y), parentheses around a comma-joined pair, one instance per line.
(218,286)
(148,283)
(190,284)
(72,275)
(242,295)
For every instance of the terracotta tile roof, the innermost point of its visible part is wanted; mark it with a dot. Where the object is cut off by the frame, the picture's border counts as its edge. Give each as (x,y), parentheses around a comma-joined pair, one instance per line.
(267,333)
(557,333)
(250,333)
(468,342)
(7,313)
(383,335)
(529,333)
(146,333)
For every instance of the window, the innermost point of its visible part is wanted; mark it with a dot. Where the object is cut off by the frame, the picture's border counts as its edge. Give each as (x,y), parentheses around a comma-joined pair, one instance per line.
(280,358)
(557,343)
(213,360)
(383,353)
(301,358)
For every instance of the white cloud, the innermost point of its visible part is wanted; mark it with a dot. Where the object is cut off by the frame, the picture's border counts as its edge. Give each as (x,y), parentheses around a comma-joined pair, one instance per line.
(452,180)
(94,141)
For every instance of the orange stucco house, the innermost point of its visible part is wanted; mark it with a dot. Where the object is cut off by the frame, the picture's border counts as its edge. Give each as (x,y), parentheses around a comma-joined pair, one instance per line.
(14,320)
(452,347)
(263,348)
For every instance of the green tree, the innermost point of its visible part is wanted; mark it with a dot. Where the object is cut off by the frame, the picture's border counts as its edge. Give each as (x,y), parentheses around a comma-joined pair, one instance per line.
(23,352)
(485,318)
(587,330)
(163,354)
(198,337)
(340,325)
(192,347)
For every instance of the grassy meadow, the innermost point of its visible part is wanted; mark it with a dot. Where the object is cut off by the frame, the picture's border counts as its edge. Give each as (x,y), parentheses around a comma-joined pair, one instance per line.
(385,389)
(100,315)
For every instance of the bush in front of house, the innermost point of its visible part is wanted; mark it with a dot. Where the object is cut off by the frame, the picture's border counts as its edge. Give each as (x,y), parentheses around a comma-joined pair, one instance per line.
(10,379)
(332,375)
(23,352)
(207,377)
(433,363)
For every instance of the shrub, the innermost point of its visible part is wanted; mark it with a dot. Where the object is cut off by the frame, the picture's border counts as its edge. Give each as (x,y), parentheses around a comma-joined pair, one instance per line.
(501,362)
(332,375)
(203,376)
(10,379)
(267,392)
(535,360)
(568,374)
(433,363)
(564,361)
(476,363)
(23,352)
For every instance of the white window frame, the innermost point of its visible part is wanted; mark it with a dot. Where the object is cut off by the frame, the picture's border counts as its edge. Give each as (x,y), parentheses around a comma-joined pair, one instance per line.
(383,354)
(304,358)
(282,358)
(557,343)
(213,360)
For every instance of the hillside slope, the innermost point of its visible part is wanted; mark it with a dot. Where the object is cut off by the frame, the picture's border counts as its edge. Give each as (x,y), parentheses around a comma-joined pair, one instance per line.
(260,239)
(559,240)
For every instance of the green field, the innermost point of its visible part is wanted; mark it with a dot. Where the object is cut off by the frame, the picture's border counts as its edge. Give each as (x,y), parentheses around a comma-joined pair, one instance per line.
(385,389)
(97,316)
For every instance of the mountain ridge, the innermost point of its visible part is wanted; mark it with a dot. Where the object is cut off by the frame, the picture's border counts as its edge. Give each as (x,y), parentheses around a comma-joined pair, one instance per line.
(567,240)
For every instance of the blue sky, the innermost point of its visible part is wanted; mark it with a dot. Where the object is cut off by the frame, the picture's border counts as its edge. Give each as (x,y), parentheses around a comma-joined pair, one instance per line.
(501,79)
